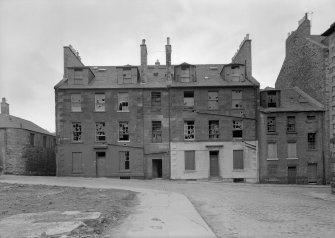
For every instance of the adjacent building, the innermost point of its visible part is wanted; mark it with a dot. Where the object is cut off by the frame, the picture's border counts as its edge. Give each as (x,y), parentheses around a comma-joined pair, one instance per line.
(25,148)
(184,121)
(310,65)
(291,142)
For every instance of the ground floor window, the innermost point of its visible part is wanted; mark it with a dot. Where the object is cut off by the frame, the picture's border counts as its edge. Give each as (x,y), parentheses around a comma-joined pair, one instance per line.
(124,160)
(238,159)
(190,160)
(77,163)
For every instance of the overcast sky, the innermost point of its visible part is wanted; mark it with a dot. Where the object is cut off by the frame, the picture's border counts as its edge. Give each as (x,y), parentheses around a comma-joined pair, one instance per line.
(33,33)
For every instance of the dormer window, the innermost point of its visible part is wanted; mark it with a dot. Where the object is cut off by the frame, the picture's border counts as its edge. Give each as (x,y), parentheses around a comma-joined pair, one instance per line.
(272,99)
(185,74)
(78,76)
(127,75)
(235,73)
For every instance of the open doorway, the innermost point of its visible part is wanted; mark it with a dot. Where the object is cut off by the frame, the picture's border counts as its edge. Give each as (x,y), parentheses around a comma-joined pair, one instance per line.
(157,168)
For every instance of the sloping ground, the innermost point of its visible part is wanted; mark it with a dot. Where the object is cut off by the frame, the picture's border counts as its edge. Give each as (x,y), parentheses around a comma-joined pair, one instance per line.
(53,203)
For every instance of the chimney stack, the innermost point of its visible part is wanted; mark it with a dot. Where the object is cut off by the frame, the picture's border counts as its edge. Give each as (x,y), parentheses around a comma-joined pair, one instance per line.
(168,52)
(144,54)
(4,107)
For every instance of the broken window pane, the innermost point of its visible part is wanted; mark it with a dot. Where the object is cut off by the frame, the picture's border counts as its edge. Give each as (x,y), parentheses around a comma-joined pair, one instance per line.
(213,100)
(76,131)
(100,131)
(75,103)
(188,100)
(291,124)
(155,101)
(189,130)
(237,129)
(123,102)
(127,75)
(271,127)
(124,160)
(157,131)
(214,132)
(272,99)
(237,99)
(123,131)
(99,102)
(311,140)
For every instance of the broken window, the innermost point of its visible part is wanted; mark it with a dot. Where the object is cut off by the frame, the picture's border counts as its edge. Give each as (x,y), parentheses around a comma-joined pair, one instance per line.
(76,131)
(291,150)
(78,76)
(188,100)
(213,100)
(271,124)
(123,102)
(189,160)
(311,141)
(272,150)
(77,163)
(290,124)
(214,132)
(75,103)
(100,133)
(272,99)
(236,73)
(127,75)
(185,74)
(189,130)
(32,139)
(237,129)
(237,99)
(99,102)
(123,131)
(157,131)
(124,160)
(238,159)
(156,101)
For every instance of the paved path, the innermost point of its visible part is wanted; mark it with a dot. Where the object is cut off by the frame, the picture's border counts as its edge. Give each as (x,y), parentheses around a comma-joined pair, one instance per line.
(159,214)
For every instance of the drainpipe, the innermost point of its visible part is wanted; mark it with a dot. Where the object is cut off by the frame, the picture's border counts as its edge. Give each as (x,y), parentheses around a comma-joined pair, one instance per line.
(169,107)
(323,148)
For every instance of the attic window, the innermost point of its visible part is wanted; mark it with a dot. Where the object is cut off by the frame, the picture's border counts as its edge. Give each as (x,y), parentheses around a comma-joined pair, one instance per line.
(213,67)
(126,75)
(78,76)
(272,99)
(185,74)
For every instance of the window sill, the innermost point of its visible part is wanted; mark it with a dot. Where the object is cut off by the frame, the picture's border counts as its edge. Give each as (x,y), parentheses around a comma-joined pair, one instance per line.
(190,171)
(77,142)
(124,170)
(121,141)
(272,133)
(189,139)
(238,170)
(269,159)
(101,142)
(291,132)
(292,158)
(76,111)
(123,111)
(99,111)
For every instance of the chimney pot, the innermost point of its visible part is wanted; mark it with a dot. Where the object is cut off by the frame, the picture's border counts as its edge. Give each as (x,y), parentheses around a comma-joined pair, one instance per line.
(168,41)
(4,107)
(143,41)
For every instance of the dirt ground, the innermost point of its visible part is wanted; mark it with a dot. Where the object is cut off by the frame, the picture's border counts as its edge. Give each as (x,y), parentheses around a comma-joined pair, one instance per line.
(114,205)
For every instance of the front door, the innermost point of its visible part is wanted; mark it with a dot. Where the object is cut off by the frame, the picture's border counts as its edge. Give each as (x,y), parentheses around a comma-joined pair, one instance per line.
(101,164)
(156,168)
(312,173)
(292,175)
(214,163)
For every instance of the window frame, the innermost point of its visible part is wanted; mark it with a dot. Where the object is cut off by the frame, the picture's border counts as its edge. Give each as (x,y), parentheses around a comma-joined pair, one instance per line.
(124,161)
(189,160)
(237,99)
(311,144)
(76,105)
(122,100)
(77,133)
(236,163)
(290,127)
(156,101)
(216,134)
(97,136)
(235,129)
(156,132)
(213,101)
(275,151)
(273,125)
(188,130)
(123,132)
(189,99)
(102,103)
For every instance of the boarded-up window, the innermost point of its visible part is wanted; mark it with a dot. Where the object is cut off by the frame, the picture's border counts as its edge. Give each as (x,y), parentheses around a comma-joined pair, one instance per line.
(272,150)
(185,74)
(157,131)
(290,124)
(188,100)
(237,99)
(124,160)
(189,130)
(271,124)
(100,133)
(123,131)
(75,103)
(78,76)
(99,102)
(213,100)
(123,102)
(190,160)
(77,163)
(156,102)
(76,131)
(292,150)
(272,99)
(213,129)
(32,139)
(237,129)
(238,159)
(127,75)
(311,141)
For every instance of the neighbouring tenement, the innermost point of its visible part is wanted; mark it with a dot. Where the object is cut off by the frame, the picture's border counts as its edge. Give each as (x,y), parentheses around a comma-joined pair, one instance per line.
(182,121)
(310,65)
(25,148)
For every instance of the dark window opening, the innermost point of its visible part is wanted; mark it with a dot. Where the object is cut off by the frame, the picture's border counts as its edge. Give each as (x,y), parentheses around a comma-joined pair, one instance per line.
(311,141)
(271,125)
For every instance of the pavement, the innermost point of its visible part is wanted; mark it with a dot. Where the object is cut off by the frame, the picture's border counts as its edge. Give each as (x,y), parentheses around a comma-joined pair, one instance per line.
(160,213)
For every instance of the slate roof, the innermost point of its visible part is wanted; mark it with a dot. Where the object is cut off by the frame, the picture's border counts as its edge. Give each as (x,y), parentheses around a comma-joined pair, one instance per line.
(9,121)
(206,74)
(295,100)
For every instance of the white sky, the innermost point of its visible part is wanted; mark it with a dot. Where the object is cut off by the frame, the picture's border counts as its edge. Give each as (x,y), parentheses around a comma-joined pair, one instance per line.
(109,32)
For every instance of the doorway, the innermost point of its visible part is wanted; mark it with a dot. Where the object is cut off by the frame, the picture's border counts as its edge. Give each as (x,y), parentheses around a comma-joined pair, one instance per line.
(214,164)
(292,175)
(157,168)
(312,172)
(100,163)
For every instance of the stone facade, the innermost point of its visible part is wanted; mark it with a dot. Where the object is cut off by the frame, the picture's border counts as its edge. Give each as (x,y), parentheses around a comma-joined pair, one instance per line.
(25,149)
(156,102)
(310,65)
